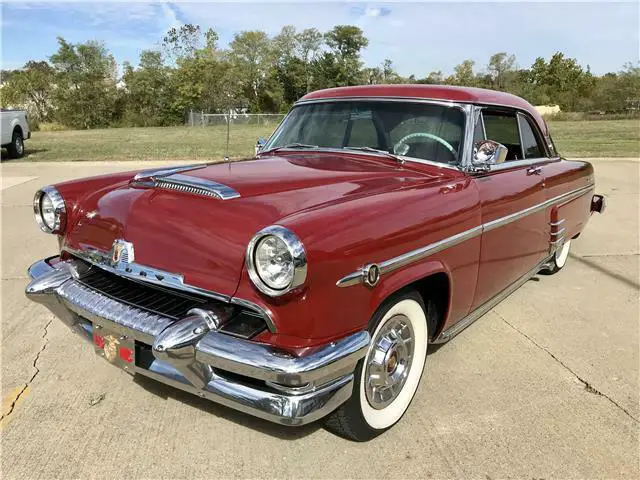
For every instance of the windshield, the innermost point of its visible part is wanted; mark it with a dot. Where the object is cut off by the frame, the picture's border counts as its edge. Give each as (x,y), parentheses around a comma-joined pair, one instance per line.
(420,130)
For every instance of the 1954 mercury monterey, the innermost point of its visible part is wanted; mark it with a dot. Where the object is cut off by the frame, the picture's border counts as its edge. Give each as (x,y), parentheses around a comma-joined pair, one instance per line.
(308,281)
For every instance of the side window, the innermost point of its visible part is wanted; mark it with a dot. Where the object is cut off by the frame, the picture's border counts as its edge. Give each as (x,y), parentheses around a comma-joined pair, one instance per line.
(531,144)
(502,127)
(478,131)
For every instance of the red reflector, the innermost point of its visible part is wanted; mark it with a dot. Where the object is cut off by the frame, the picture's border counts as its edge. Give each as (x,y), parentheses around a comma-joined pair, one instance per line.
(126,354)
(98,341)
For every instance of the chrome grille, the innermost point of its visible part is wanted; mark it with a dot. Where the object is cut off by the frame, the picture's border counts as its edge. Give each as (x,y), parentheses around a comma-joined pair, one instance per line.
(154,299)
(163,302)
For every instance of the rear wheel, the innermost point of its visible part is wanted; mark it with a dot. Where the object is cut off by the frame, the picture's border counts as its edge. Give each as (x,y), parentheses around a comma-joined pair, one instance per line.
(387,378)
(558,260)
(16,147)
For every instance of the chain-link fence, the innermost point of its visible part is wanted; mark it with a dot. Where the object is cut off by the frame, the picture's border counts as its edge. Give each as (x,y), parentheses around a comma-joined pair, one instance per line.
(202,119)
(236,133)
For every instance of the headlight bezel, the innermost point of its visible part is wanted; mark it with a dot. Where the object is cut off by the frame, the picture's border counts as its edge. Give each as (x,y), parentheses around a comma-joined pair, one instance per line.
(59,210)
(296,250)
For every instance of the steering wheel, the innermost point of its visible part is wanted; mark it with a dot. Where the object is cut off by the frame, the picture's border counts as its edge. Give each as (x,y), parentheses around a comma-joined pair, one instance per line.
(431,136)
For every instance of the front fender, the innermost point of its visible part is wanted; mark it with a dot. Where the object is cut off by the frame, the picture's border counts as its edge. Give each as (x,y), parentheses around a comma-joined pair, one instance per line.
(399,279)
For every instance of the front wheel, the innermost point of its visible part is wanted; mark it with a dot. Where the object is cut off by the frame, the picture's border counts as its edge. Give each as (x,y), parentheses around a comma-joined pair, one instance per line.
(387,378)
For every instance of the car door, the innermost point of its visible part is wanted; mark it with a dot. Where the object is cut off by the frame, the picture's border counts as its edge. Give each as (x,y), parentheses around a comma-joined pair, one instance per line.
(514,240)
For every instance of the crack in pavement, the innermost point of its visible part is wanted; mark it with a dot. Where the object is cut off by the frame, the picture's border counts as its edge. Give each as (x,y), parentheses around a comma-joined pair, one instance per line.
(35,365)
(587,386)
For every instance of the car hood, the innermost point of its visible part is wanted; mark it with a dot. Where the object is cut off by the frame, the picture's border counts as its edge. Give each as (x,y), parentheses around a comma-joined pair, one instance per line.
(205,238)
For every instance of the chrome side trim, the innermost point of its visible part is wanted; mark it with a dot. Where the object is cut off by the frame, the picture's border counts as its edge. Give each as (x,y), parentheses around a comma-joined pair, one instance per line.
(420,253)
(392,264)
(536,208)
(459,326)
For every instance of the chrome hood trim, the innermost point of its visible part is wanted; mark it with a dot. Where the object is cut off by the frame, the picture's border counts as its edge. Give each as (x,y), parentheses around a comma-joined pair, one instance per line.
(140,273)
(174,179)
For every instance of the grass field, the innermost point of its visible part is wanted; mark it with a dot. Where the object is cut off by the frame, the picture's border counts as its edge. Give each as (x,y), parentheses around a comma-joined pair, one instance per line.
(602,138)
(597,138)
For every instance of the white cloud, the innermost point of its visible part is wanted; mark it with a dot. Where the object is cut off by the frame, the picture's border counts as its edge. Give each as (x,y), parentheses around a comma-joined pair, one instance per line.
(169,16)
(372,12)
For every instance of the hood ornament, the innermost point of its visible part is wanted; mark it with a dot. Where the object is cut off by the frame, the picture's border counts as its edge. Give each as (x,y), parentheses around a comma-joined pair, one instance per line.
(121,253)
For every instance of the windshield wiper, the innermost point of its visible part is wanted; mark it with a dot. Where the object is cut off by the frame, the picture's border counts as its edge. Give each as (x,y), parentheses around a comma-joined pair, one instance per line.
(397,158)
(288,145)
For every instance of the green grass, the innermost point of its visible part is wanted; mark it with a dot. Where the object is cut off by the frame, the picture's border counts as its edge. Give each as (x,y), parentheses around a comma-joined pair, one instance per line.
(161,143)
(597,138)
(602,138)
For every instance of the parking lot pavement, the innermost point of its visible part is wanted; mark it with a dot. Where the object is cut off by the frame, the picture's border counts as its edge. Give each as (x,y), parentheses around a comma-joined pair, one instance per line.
(544,385)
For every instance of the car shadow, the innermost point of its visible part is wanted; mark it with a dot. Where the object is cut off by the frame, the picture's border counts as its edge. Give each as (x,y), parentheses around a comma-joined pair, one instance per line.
(244,419)
(4,157)
(605,271)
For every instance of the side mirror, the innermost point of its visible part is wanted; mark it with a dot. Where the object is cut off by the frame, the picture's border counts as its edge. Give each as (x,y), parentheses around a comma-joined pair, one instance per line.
(260,143)
(488,152)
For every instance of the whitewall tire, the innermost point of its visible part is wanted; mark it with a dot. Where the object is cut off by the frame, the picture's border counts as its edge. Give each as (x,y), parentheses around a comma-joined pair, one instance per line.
(387,378)
(559,259)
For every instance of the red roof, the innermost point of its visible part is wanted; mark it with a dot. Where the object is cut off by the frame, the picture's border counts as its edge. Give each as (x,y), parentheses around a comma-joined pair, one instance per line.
(479,96)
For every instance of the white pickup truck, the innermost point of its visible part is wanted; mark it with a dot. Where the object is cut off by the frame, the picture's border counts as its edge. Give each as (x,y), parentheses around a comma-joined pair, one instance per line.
(15,130)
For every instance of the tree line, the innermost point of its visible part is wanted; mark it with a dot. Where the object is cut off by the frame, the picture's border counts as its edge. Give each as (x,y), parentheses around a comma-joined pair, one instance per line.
(81,86)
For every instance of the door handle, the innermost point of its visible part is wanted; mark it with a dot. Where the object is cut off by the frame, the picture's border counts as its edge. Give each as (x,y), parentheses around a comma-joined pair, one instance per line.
(534,171)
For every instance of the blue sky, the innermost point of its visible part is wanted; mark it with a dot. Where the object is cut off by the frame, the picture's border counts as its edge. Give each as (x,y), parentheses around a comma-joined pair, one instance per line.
(418,37)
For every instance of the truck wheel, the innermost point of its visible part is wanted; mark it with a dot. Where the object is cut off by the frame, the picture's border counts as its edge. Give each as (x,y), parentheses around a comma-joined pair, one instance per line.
(387,378)
(558,260)
(16,147)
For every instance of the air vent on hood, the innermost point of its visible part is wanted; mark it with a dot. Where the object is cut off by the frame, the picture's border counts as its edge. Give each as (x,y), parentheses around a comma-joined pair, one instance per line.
(197,186)
(171,179)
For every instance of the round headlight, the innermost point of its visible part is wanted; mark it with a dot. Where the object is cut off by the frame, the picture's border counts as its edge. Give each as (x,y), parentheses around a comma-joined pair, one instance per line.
(49,210)
(276,261)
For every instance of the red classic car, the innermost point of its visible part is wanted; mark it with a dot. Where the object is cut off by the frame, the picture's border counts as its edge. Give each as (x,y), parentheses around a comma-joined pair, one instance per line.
(308,282)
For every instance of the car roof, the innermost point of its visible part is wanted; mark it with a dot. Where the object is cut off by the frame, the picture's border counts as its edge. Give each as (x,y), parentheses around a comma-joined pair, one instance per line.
(480,96)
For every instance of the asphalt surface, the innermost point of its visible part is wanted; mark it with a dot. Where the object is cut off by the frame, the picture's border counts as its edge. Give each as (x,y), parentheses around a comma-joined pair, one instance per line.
(544,385)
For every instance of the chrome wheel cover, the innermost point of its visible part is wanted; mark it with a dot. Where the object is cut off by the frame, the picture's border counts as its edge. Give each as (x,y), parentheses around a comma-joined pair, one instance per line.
(389,361)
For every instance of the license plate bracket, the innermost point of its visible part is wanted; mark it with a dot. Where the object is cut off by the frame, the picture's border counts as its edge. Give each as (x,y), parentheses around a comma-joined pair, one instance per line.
(117,349)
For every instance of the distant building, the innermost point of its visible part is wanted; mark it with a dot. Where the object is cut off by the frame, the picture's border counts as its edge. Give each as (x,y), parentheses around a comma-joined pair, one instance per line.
(545,110)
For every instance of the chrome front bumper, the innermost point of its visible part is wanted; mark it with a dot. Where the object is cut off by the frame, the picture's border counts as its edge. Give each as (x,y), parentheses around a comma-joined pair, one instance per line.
(191,355)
